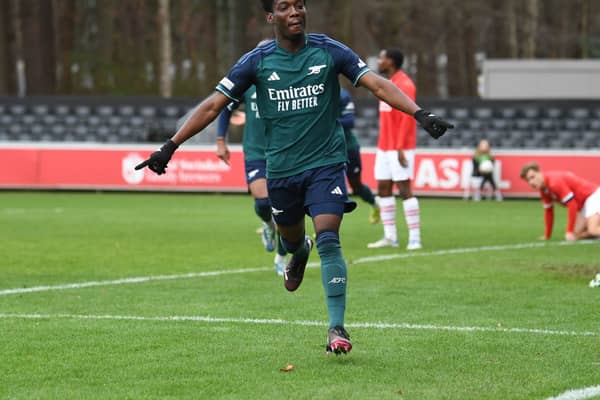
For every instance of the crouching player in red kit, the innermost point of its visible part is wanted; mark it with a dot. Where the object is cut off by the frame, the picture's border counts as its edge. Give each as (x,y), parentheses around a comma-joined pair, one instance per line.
(581,198)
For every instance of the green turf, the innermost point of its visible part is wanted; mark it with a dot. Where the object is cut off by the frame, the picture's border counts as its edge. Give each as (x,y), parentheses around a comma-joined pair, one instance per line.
(408,315)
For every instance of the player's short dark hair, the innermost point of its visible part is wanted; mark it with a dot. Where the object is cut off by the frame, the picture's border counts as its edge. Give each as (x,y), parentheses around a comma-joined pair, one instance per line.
(268,5)
(529,166)
(396,56)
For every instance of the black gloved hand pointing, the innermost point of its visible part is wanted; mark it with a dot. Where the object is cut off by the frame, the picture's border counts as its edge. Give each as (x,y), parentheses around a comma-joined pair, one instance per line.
(433,124)
(159,159)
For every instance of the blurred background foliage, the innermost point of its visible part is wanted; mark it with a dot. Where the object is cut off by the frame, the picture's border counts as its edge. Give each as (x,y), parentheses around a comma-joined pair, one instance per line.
(183,47)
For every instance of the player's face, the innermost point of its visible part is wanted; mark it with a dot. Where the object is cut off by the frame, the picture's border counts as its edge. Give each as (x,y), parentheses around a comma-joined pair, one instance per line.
(484,146)
(289,17)
(535,179)
(383,62)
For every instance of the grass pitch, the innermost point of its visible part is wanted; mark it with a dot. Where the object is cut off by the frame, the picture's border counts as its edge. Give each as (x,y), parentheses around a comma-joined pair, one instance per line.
(146,296)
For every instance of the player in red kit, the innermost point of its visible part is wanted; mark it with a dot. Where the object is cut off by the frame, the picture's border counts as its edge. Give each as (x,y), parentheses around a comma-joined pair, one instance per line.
(580,196)
(395,158)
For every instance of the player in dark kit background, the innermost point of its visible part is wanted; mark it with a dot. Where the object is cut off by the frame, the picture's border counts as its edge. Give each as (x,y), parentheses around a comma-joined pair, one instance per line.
(298,94)
(253,144)
(354,168)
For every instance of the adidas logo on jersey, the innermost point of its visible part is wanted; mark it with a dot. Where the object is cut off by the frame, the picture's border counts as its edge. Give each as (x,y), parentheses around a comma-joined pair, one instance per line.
(274,77)
(337,191)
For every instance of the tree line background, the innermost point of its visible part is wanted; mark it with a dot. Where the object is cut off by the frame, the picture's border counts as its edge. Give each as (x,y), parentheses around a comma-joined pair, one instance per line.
(183,47)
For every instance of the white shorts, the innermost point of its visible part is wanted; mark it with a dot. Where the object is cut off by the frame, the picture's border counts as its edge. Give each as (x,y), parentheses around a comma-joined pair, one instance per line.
(591,205)
(388,168)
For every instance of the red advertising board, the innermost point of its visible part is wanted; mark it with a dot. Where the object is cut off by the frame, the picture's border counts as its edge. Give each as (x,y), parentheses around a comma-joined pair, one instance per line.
(196,168)
(112,168)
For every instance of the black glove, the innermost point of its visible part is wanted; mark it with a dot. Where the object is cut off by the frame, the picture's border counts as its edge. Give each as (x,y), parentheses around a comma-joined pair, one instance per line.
(159,159)
(433,124)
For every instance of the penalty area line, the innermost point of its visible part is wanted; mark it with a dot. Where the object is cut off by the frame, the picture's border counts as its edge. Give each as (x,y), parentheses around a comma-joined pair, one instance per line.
(363,260)
(256,321)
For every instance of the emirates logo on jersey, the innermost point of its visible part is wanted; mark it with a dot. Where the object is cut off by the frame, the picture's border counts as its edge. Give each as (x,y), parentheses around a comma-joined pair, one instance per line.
(296,98)
(293,93)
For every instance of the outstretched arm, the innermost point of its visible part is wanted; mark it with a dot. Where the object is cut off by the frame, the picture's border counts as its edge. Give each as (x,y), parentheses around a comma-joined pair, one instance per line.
(202,115)
(385,90)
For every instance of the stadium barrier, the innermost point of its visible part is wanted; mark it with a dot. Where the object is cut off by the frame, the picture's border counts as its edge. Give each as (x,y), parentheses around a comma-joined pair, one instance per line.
(438,172)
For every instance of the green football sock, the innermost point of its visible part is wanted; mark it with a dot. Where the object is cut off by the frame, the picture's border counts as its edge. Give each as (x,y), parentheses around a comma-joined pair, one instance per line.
(333,276)
(280,249)
(297,249)
(302,251)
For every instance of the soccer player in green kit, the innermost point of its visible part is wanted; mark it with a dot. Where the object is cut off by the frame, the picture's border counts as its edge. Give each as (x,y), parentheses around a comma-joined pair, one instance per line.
(298,94)
(354,168)
(254,142)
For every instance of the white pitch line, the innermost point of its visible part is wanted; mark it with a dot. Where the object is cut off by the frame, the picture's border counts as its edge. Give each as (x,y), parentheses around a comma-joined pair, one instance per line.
(468,250)
(139,279)
(578,394)
(363,260)
(256,321)
(13,211)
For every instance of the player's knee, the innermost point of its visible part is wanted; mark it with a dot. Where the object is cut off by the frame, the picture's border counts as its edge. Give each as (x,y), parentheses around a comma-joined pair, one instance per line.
(405,194)
(593,227)
(327,237)
(263,208)
(384,190)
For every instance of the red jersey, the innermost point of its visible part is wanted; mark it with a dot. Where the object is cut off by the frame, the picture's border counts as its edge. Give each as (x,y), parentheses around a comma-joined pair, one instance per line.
(564,186)
(567,189)
(398,130)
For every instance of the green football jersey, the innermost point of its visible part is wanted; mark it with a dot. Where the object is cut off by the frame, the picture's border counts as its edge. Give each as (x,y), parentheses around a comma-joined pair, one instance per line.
(483,157)
(254,140)
(298,95)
